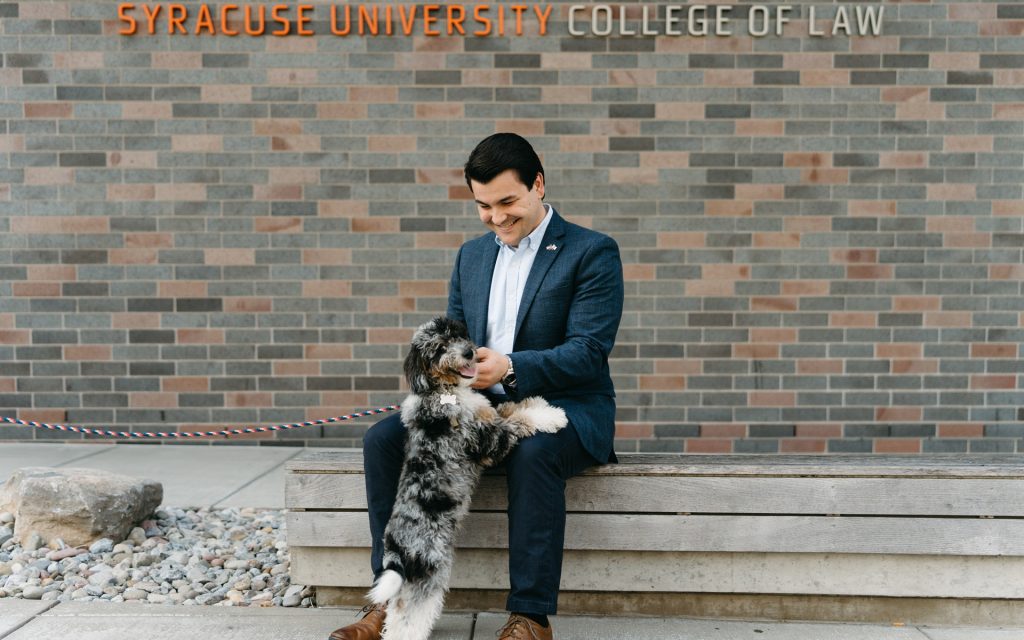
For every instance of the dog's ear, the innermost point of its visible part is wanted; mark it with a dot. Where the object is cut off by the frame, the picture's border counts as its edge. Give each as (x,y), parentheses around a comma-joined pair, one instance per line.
(417,371)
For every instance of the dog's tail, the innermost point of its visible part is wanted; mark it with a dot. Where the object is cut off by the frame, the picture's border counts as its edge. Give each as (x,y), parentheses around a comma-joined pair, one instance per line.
(386,586)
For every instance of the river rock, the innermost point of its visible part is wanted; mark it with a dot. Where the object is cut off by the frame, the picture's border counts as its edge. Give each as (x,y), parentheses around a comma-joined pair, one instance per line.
(77,505)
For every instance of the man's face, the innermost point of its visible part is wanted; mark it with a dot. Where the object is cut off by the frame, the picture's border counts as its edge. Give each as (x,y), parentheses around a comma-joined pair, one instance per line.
(508,208)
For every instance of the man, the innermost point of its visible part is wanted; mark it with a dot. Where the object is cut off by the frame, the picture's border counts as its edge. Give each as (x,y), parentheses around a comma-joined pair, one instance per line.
(545,298)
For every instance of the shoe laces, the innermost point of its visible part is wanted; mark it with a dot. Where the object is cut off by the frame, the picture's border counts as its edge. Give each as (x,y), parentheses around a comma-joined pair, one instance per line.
(520,627)
(370,608)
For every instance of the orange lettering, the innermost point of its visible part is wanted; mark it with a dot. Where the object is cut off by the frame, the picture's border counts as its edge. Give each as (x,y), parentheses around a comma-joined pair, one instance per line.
(456,23)
(429,19)
(367,21)
(175,22)
(122,13)
(286,25)
(151,17)
(387,20)
(478,14)
(303,19)
(501,20)
(519,9)
(224,19)
(543,18)
(248,21)
(334,20)
(205,20)
(407,23)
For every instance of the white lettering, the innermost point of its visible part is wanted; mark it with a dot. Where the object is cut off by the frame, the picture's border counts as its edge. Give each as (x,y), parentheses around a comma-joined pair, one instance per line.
(573,10)
(842,21)
(810,23)
(622,23)
(781,18)
(721,20)
(605,29)
(870,18)
(759,14)
(671,20)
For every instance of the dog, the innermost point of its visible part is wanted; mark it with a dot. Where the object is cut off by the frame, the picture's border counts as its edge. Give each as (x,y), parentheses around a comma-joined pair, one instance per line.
(453,435)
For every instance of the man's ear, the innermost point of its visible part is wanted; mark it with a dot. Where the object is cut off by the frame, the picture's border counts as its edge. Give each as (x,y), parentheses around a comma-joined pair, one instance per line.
(538,184)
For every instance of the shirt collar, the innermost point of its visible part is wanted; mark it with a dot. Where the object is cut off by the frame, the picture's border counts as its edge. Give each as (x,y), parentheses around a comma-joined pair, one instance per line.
(533,240)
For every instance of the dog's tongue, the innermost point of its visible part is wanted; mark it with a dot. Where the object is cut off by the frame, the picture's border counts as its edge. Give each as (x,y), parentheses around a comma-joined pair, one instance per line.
(468,371)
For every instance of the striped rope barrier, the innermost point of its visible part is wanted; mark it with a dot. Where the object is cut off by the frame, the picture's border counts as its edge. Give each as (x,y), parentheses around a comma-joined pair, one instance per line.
(194,434)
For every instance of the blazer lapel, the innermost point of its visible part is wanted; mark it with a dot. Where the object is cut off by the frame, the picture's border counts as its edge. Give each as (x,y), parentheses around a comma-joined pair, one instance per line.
(548,250)
(480,292)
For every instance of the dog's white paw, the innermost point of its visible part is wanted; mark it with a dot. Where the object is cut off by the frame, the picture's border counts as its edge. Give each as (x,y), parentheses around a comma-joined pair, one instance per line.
(539,416)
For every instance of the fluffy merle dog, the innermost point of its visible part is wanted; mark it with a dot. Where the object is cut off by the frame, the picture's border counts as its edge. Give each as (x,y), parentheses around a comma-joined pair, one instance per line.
(453,434)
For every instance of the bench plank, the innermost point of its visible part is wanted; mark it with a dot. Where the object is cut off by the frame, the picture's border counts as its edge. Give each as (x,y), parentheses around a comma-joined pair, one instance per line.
(774,534)
(683,494)
(845,465)
(649,572)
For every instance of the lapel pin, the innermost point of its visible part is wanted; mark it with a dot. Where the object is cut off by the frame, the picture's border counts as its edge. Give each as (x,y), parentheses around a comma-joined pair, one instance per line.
(551,247)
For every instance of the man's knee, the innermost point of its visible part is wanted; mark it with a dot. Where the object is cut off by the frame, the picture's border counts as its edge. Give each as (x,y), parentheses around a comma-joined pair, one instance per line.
(386,436)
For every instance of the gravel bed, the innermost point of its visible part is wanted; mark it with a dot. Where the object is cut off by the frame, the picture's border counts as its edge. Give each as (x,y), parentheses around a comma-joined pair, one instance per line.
(221,557)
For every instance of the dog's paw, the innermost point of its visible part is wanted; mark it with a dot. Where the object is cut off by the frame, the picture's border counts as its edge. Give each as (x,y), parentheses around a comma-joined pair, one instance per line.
(540,417)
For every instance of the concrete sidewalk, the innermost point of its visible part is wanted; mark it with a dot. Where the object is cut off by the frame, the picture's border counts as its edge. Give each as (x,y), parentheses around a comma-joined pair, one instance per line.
(250,476)
(25,620)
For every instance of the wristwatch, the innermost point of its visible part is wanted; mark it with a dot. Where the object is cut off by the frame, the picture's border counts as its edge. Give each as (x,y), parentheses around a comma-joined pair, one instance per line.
(510,376)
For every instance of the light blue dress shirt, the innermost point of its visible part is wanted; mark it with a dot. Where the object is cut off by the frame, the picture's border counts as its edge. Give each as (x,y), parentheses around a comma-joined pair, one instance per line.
(511,269)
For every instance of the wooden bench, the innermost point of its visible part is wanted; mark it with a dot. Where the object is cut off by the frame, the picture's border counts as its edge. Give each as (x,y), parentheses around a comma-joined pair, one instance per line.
(924,539)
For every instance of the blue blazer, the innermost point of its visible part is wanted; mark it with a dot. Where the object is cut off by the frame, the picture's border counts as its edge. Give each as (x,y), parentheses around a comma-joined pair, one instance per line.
(566,325)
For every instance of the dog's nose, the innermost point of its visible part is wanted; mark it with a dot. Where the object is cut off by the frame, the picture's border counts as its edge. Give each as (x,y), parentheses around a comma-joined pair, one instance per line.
(467,354)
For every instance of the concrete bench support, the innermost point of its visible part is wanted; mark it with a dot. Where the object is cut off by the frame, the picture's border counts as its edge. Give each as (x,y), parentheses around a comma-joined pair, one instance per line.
(870,538)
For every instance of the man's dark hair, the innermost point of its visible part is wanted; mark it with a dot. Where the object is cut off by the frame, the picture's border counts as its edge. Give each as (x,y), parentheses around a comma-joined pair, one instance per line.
(499,153)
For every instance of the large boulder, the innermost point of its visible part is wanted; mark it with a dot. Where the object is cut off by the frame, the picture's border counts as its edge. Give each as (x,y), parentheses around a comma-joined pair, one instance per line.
(77,505)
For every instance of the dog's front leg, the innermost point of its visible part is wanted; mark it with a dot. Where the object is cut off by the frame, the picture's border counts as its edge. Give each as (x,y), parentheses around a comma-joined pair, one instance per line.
(533,415)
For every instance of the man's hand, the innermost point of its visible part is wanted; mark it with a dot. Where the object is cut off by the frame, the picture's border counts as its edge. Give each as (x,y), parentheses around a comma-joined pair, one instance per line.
(491,367)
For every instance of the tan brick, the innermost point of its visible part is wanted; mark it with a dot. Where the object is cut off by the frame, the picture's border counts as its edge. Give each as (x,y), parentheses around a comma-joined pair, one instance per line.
(44,11)
(296,368)
(390,305)
(388,336)
(994,350)
(715,288)
(200,336)
(899,367)
(757,192)
(947,319)
(664,159)
(902,159)
(634,430)
(152,400)
(375,225)
(853,319)
(36,289)
(328,351)
(565,95)
(728,208)
(135,320)
(17,336)
(762,337)
(438,240)
(805,288)
(772,399)
(277,192)
(134,256)
(373,94)
(185,384)
(326,288)
(869,271)
(92,352)
(248,399)
(424,289)
(726,271)
(723,431)
(916,303)
(679,111)
(898,350)
(229,256)
(619,175)
(49,175)
(773,303)
(818,367)
(993,382)
(146,240)
(131,192)
(132,159)
(961,430)
(341,111)
(708,445)
(803,445)
(177,59)
(294,175)
(760,127)
(391,144)
(777,240)
(584,144)
(248,305)
(147,111)
(439,111)
(825,78)
(48,109)
(183,289)
(755,351)
(56,272)
(728,78)
(897,445)
(853,256)
(327,256)
(197,143)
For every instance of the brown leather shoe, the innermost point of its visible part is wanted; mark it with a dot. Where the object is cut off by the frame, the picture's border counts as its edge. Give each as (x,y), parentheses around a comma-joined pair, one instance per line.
(522,628)
(368,628)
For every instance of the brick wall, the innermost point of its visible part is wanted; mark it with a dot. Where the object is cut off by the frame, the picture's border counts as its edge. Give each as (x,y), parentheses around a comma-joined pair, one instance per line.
(822,235)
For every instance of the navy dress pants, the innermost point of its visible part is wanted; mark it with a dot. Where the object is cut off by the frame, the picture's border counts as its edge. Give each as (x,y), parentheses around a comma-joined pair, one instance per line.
(536,469)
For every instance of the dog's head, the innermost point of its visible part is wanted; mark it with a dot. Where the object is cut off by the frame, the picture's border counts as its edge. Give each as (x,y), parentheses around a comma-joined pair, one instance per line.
(442,355)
